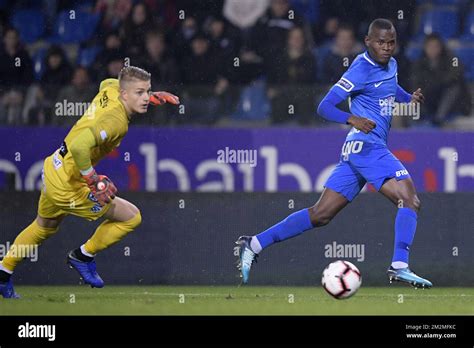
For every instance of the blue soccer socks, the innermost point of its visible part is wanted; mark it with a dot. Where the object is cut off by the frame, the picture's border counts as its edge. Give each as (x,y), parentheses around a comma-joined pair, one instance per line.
(405,228)
(292,226)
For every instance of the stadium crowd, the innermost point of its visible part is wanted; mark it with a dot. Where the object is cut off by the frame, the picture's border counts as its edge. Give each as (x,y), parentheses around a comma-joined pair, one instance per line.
(262,62)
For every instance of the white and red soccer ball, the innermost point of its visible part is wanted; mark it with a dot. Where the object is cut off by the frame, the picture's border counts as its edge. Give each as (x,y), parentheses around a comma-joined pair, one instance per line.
(341,279)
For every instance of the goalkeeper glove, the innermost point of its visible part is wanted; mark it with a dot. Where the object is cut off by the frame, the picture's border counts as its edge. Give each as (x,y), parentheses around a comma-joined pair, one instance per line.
(101,187)
(160,98)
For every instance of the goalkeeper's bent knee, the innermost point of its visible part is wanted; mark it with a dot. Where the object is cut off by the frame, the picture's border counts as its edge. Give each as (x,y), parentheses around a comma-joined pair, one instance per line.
(134,222)
(111,232)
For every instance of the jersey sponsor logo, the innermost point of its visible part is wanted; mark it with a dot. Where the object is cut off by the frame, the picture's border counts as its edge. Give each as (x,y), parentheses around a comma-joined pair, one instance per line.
(104,100)
(345,84)
(42,179)
(402,172)
(386,106)
(103,134)
(390,101)
(57,163)
(378,84)
(92,198)
(97,207)
(351,147)
(63,149)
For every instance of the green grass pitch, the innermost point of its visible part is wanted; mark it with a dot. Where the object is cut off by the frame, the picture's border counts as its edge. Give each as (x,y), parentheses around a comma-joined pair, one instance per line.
(226,300)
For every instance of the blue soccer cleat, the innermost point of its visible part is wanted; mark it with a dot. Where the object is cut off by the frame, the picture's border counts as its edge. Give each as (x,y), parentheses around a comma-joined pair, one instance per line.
(246,257)
(407,276)
(87,271)
(7,290)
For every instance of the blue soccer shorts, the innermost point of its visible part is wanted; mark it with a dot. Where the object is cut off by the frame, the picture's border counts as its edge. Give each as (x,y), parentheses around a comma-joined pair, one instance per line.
(364,162)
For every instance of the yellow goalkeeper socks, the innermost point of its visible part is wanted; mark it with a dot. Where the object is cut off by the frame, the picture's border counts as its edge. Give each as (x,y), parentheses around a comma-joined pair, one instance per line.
(27,242)
(26,245)
(110,232)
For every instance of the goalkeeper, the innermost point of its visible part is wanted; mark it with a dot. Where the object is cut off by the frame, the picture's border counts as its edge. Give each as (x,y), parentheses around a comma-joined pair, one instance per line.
(72,186)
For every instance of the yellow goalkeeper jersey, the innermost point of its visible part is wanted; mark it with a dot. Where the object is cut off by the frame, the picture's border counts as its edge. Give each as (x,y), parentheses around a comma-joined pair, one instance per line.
(108,121)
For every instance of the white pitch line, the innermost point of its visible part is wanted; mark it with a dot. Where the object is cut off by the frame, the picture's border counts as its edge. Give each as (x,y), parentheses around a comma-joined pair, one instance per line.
(246,296)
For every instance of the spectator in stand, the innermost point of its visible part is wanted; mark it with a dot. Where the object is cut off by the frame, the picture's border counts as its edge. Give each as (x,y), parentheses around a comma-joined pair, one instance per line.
(404,68)
(325,34)
(113,48)
(114,66)
(16,71)
(164,74)
(114,13)
(441,81)
(200,10)
(164,13)
(270,34)
(39,105)
(138,23)
(225,47)
(244,13)
(182,41)
(80,92)
(202,85)
(290,81)
(223,39)
(341,54)
(57,73)
(159,62)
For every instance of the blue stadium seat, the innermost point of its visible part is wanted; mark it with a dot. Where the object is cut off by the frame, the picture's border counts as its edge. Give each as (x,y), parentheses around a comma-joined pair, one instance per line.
(253,103)
(85,5)
(320,53)
(413,51)
(465,53)
(87,55)
(74,30)
(28,4)
(29,23)
(309,9)
(448,2)
(441,2)
(468,33)
(39,62)
(441,20)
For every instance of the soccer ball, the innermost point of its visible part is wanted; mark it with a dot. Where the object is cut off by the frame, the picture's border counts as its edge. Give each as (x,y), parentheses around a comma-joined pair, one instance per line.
(341,279)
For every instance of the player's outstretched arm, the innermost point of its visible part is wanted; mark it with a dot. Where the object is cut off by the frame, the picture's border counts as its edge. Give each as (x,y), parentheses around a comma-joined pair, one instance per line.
(161,97)
(328,110)
(401,95)
(417,96)
(405,97)
(101,186)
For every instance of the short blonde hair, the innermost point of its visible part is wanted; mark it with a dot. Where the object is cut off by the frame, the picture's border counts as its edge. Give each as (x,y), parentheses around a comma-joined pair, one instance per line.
(129,73)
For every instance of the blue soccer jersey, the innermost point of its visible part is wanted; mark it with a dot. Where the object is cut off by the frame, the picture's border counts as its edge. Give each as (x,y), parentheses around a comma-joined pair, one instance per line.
(372,88)
(365,157)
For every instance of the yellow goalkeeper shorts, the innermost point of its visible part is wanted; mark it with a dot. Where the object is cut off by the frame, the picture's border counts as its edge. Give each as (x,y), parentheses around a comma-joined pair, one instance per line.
(63,195)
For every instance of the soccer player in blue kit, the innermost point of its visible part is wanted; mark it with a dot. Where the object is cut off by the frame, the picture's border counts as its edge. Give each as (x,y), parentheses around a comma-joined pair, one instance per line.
(371,83)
